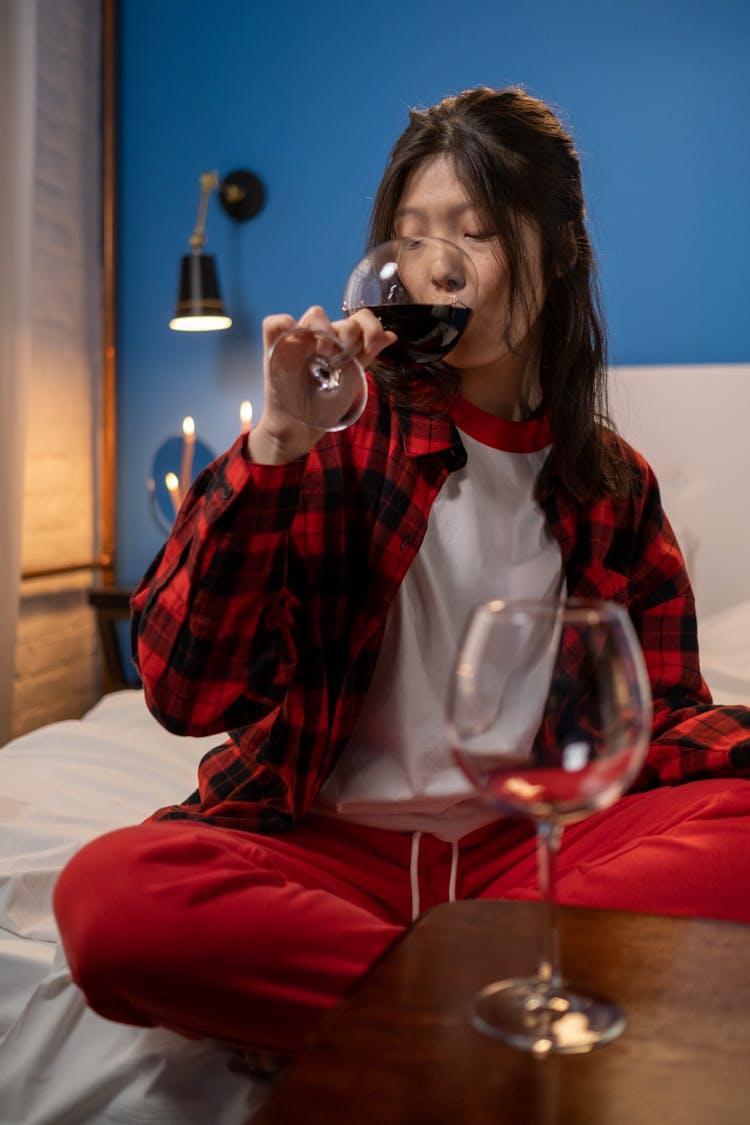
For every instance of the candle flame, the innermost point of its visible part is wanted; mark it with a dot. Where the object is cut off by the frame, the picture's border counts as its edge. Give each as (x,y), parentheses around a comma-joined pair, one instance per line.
(172,482)
(246,412)
(188,426)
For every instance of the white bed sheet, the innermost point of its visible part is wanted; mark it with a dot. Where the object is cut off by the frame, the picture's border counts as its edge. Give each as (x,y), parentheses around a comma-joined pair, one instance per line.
(60,1064)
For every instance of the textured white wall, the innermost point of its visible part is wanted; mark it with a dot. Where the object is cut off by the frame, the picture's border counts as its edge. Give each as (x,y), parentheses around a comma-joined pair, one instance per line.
(56,660)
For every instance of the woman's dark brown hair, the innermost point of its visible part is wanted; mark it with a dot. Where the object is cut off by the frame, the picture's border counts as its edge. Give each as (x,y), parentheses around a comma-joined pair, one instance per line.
(516,162)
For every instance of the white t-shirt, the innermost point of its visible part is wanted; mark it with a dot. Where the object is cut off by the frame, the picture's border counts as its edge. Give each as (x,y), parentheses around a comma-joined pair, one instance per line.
(486,538)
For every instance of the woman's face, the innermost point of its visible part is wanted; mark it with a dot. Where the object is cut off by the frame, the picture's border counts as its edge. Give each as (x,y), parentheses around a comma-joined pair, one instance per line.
(434,203)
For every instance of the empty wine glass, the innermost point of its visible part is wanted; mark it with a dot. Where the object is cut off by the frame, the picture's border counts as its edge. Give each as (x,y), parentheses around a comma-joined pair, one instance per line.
(423,289)
(549,715)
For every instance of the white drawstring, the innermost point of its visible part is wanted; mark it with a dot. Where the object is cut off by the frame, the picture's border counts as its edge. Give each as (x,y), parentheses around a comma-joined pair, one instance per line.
(414,875)
(454,872)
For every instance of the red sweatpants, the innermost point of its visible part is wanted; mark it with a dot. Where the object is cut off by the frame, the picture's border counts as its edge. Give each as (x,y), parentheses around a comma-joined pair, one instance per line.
(250,939)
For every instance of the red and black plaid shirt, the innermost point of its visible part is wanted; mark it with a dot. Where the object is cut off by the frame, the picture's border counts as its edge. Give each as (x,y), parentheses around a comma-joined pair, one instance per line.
(263,614)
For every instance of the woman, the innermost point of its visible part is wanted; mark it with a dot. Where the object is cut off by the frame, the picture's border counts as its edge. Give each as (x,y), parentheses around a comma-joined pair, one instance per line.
(309,602)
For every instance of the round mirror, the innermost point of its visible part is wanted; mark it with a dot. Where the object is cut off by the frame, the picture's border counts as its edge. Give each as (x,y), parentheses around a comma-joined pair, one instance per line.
(177,463)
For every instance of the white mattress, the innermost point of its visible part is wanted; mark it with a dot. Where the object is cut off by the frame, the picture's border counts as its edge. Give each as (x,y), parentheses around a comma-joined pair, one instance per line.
(60,1064)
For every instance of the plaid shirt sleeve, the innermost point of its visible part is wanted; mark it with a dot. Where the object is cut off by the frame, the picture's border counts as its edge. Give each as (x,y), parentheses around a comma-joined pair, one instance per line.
(625,549)
(187,624)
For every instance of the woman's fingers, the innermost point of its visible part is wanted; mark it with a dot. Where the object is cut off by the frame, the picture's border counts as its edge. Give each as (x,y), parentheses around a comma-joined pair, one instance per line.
(275,326)
(363,334)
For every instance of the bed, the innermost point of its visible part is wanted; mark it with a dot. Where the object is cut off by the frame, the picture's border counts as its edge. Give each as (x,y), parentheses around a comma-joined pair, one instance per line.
(60,1064)
(63,784)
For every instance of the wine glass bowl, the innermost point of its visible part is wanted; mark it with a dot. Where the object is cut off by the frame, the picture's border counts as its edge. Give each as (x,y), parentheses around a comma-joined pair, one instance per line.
(423,289)
(316,380)
(549,716)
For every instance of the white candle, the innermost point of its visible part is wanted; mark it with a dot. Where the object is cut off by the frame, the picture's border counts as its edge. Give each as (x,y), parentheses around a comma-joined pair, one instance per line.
(246,415)
(188,448)
(173,487)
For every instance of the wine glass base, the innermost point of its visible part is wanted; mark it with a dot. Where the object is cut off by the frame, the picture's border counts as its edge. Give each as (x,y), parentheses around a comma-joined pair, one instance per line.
(316,380)
(528,1015)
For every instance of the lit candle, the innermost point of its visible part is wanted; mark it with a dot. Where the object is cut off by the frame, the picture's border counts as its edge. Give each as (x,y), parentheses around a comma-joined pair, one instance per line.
(246,415)
(173,487)
(188,448)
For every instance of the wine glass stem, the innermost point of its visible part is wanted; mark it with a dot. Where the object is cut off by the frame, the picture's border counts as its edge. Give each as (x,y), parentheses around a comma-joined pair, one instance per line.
(548,833)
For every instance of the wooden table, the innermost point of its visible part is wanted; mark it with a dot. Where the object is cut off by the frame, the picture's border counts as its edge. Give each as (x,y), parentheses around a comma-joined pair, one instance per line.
(400,1050)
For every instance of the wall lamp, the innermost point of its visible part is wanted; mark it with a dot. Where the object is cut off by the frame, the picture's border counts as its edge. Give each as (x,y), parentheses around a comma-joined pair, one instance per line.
(199,305)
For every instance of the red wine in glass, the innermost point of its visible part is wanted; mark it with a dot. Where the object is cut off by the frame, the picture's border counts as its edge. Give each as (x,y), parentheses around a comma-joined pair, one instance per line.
(565,794)
(425,333)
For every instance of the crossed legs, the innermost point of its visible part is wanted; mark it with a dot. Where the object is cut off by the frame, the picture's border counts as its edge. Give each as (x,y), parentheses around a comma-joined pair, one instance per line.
(250,939)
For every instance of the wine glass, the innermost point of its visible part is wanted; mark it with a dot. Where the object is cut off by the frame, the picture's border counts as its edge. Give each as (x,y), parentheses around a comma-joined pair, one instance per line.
(549,716)
(423,289)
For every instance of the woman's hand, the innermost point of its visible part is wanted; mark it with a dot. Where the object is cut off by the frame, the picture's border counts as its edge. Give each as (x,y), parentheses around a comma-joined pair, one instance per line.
(279,437)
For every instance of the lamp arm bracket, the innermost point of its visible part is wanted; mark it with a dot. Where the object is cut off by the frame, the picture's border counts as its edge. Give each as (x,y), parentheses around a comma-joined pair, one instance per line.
(208,181)
(242,196)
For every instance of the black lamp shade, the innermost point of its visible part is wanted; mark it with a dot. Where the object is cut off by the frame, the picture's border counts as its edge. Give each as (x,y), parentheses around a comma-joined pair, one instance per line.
(199,303)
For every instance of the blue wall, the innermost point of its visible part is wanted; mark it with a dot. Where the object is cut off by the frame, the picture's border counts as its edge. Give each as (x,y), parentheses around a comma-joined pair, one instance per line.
(311,97)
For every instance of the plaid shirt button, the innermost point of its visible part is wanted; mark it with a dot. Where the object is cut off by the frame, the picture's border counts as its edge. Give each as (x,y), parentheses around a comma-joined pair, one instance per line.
(226,491)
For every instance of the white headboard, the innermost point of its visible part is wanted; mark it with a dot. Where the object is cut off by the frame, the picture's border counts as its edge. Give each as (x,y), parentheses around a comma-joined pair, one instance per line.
(693,426)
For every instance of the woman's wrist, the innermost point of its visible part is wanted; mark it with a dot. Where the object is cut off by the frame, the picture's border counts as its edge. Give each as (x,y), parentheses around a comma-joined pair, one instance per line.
(265,447)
